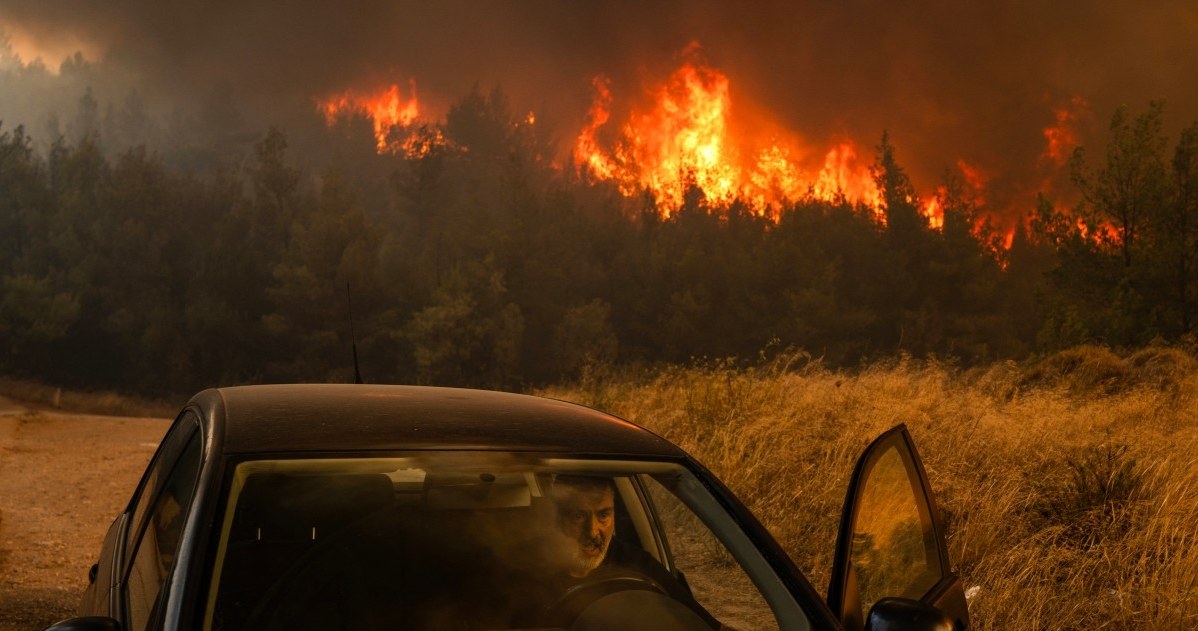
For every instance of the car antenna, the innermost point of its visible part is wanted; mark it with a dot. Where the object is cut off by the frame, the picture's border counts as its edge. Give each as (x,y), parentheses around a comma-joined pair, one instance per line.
(352,340)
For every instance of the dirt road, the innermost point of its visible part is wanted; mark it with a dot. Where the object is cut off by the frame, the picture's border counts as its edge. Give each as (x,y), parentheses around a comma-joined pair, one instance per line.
(62,479)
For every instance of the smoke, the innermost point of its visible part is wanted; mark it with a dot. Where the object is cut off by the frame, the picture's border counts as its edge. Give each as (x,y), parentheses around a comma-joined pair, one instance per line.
(950,81)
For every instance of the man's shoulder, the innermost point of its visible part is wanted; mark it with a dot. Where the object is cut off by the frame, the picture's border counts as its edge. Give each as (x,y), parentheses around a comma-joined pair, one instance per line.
(623,551)
(622,554)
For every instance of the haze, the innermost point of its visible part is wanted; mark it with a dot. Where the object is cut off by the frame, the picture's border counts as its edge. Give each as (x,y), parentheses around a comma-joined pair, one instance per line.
(949,81)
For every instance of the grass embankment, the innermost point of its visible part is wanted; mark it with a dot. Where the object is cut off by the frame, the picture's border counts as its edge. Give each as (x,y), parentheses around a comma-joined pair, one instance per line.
(1069,486)
(42,396)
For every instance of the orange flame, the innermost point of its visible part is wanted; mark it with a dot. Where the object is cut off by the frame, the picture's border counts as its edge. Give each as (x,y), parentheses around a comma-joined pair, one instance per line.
(684,139)
(386,108)
(842,175)
(587,153)
(1105,233)
(933,209)
(974,180)
(1062,137)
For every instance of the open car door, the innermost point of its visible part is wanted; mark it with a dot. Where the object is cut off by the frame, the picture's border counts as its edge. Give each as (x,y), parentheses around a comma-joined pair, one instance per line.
(891,569)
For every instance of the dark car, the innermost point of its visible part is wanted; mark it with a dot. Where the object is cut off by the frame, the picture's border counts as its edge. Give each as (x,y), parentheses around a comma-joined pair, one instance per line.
(390,507)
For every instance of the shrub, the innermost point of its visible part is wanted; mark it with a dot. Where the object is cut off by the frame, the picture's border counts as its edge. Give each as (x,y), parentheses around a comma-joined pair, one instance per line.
(1162,367)
(1081,370)
(1097,496)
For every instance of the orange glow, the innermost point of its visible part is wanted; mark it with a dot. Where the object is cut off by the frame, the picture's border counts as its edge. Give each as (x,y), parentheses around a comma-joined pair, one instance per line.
(975,179)
(1104,233)
(32,49)
(973,192)
(1008,240)
(685,138)
(418,143)
(387,109)
(586,152)
(684,131)
(843,174)
(1062,137)
(934,210)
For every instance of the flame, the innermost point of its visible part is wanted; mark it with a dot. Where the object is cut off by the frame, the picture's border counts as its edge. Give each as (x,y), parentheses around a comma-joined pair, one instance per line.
(587,154)
(843,175)
(1062,136)
(1105,233)
(418,142)
(933,209)
(975,180)
(685,139)
(386,108)
(684,133)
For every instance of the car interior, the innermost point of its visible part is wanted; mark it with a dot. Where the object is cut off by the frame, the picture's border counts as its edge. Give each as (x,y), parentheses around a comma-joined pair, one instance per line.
(311,546)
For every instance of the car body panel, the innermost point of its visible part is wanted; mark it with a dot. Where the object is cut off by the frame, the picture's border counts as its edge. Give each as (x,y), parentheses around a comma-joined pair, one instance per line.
(289,418)
(288,421)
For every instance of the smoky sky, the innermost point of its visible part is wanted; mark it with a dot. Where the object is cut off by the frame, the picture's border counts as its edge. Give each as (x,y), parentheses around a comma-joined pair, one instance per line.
(947,80)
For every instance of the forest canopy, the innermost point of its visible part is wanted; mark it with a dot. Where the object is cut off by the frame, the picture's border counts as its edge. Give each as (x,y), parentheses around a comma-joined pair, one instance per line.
(475,258)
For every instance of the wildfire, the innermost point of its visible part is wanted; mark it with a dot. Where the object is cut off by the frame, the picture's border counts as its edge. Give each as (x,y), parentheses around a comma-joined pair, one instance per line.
(933,209)
(1061,137)
(587,152)
(973,189)
(1104,233)
(684,133)
(842,174)
(684,138)
(681,141)
(387,109)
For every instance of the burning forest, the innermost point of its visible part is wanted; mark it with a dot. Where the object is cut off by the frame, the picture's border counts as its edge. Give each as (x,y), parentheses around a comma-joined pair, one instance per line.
(566,189)
(979,218)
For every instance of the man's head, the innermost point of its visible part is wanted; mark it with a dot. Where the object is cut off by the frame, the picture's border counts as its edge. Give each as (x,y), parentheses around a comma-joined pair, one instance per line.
(586,515)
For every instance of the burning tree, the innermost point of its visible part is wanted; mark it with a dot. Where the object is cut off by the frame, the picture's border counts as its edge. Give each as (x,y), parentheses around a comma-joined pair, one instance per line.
(1126,256)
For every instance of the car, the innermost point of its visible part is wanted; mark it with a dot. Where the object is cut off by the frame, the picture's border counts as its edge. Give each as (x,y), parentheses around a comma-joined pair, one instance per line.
(346,506)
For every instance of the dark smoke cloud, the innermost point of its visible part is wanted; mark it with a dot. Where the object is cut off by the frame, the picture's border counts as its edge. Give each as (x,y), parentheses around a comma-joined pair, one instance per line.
(949,80)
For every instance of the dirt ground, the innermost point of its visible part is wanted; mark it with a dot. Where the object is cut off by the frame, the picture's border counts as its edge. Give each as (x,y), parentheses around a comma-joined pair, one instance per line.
(63,478)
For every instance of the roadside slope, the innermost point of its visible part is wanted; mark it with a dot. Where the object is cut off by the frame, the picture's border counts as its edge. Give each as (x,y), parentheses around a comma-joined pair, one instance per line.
(63,478)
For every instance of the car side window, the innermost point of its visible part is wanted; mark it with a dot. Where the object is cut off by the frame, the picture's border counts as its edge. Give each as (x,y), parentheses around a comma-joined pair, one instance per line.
(894,548)
(154,554)
(168,454)
(712,574)
(890,543)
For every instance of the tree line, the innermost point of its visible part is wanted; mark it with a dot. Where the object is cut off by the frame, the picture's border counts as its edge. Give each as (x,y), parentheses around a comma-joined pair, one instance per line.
(471,259)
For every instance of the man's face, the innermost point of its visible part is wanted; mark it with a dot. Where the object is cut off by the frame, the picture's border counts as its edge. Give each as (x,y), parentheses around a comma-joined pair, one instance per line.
(586,515)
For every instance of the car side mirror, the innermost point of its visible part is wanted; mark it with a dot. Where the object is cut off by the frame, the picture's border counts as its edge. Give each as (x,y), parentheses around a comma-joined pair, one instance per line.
(86,623)
(904,614)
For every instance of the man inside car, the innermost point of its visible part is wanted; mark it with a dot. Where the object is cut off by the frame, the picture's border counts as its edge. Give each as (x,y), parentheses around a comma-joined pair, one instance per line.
(598,563)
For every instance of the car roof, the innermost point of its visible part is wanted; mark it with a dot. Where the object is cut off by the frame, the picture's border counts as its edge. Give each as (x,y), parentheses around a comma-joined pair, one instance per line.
(281,419)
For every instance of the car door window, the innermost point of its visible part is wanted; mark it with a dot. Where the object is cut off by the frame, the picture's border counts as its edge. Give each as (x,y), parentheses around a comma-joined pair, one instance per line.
(894,545)
(156,549)
(890,542)
(164,460)
(712,574)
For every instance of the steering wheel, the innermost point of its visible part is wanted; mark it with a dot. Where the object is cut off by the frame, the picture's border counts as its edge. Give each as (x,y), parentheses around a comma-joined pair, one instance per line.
(571,604)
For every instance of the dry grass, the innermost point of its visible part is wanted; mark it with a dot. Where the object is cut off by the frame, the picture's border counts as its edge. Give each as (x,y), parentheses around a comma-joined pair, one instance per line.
(1069,486)
(38,395)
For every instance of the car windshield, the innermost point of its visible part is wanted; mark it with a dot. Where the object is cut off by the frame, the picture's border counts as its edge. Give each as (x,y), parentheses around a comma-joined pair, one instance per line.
(470,541)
